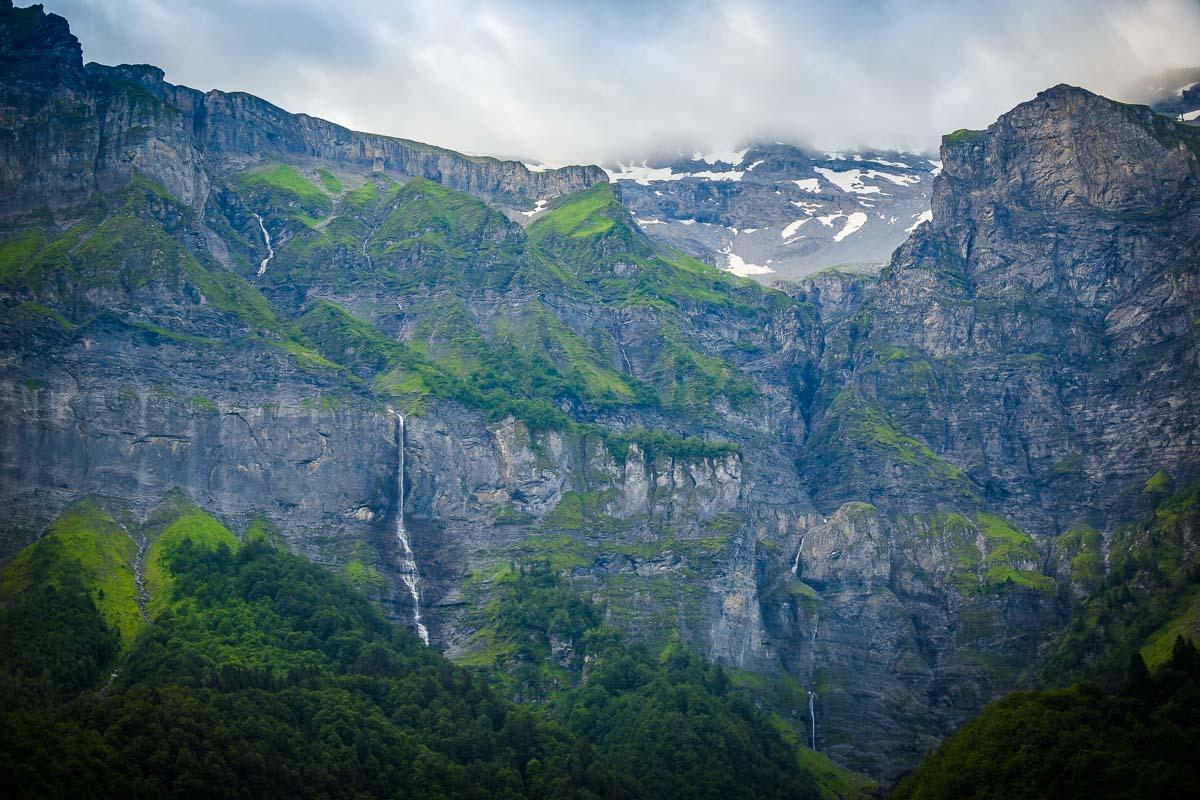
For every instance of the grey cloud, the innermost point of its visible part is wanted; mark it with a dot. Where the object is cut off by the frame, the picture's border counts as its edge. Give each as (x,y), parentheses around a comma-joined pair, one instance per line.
(591,82)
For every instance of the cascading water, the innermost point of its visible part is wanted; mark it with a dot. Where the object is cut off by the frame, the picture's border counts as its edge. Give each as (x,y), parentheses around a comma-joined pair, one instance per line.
(799,551)
(812,715)
(408,560)
(266,240)
(139,577)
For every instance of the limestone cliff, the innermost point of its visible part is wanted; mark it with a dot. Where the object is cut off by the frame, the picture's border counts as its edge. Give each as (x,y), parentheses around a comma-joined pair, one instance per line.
(853,486)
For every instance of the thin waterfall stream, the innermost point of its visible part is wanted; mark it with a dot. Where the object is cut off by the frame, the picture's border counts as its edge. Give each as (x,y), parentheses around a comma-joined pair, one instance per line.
(409,573)
(267,241)
(799,551)
(812,715)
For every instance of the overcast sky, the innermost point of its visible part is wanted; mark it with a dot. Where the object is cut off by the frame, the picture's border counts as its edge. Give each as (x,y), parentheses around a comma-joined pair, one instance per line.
(598,81)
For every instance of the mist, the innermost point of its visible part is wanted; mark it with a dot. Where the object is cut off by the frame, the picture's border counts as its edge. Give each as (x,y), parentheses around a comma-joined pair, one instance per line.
(612,81)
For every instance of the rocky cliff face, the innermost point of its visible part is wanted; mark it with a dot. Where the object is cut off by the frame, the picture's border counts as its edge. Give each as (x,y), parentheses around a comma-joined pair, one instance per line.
(1039,332)
(854,486)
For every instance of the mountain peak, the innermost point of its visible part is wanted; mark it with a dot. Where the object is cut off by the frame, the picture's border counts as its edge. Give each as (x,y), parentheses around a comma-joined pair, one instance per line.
(37,51)
(1066,149)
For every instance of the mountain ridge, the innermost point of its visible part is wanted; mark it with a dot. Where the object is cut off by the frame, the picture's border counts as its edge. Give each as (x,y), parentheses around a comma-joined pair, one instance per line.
(860,484)
(213,125)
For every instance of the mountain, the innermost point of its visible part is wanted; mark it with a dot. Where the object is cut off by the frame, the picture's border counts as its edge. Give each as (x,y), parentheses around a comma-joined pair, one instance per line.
(1175,92)
(880,500)
(75,129)
(750,211)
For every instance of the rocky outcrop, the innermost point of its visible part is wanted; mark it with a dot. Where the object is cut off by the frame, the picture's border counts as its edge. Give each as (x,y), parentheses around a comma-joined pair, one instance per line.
(1038,334)
(236,126)
(906,624)
(46,110)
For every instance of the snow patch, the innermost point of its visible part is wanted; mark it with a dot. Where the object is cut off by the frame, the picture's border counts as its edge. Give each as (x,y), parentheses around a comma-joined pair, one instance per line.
(738,266)
(732,157)
(755,164)
(899,180)
(1189,116)
(937,167)
(886,163)
(640,174)
(809,185)
(848,181)
(852,180)
(644,174)
(853,224)
(792,227)
(922,218)
(731,175)
(538,207)
(649,221)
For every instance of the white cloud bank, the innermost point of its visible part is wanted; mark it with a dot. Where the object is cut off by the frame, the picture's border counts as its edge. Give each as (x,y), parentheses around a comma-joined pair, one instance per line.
(611,81)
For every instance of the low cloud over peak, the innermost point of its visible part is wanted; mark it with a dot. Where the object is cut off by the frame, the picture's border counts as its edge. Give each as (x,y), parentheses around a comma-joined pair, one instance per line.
(608,81)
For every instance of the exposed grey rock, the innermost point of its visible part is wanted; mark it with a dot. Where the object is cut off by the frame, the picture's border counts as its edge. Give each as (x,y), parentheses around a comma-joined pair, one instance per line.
(914,443)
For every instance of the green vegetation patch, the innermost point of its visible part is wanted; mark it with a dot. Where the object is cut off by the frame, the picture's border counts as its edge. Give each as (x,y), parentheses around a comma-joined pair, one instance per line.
(17,254)
(560,551)
(283,183)
(656,713)
(964,136)
(87,536)
(1148,591)
(1082,545)
(331,182)
(30,312)
(363,197)
(692,380)
(584,214)
(1159,483)
(1159,645)
(855,428)
(192,526)
(1080,742)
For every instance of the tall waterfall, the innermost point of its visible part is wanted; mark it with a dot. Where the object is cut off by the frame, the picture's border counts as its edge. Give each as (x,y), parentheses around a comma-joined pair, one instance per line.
(799,552)
(812,715)
(408,560)
(267,241)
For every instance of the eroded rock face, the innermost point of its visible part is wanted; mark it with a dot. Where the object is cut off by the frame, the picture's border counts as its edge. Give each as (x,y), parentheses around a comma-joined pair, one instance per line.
(913,443)
(1039,332)
(904,624)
